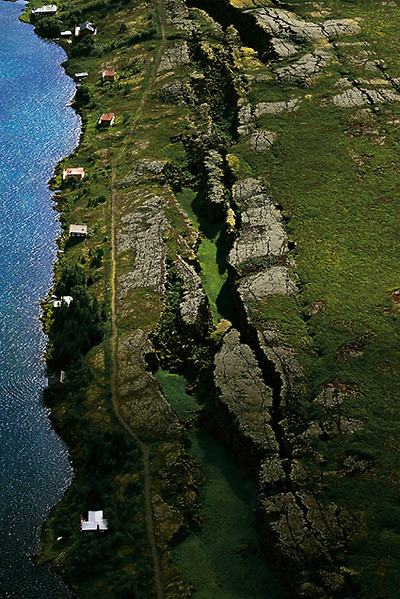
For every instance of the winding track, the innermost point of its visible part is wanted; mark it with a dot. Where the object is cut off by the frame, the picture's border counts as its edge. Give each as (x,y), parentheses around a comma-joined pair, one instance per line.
(114,379)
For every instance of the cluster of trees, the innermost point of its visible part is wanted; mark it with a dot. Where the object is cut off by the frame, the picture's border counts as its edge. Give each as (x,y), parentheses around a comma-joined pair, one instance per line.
(76,327)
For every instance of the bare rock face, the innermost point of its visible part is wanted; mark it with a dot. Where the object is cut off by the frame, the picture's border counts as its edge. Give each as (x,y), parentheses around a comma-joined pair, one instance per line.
(305,69)
(276,107)
(244,393)
(283,48)
(194,307)
(179,94)
(246,120)
(273,281)
(142,170)
(141,402)
(142,234)
(283,24)
(261,231)
(177,15)
(261,141)
(336,422)
(216,192)
(355,97)
(173,57)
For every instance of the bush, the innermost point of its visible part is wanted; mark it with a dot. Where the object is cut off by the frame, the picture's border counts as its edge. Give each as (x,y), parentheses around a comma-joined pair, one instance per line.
(48,27)
(82,47)
(83,96)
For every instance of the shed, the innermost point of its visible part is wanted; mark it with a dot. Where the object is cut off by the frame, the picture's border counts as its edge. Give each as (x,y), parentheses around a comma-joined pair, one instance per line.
(85,28)
(49,10)
(67,299)
(95,521)
(55,379)
(78,173)
(77,230)
(108,75)
(107,119)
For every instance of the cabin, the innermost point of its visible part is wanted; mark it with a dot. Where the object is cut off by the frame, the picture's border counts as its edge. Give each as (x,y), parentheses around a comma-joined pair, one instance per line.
(49,10)
(66,299)
(84,29)
(108,75)
(107,119)
(76,173)
(54,380)
(95,521)
(78,230)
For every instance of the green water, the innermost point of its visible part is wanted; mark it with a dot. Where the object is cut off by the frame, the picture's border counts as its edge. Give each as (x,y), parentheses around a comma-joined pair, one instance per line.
(210,254)
(223,559)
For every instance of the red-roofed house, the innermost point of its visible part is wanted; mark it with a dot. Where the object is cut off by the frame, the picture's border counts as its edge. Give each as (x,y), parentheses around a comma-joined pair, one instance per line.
(78,173)
(108,75)
(107,119)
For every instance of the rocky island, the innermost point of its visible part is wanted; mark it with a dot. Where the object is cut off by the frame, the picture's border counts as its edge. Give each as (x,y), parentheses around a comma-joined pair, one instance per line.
(239,232)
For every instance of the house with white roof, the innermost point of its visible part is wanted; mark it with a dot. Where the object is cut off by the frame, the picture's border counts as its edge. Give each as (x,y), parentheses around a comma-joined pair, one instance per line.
(95,521)
(49,10)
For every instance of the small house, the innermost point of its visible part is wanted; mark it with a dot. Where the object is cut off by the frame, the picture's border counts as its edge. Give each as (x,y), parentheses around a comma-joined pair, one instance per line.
(78,230)
(49,10)
(95,521)
(85,28)
(77,173)
(54,380)
(108,75)
(66,299)
(107,119)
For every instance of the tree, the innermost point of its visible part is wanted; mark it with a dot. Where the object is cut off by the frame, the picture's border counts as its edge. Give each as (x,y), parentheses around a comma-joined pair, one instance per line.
(83,96)
(48,27)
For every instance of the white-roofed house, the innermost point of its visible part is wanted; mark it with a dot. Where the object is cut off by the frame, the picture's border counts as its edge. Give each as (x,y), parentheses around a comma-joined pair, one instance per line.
(95,521)
(66,299)
(49,10)
(78,230)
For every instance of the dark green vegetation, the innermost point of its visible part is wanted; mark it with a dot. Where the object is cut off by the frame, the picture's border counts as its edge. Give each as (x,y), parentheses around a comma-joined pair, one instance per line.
(334,174)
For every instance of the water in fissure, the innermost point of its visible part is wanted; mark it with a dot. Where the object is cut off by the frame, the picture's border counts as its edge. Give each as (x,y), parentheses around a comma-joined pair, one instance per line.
(37,129)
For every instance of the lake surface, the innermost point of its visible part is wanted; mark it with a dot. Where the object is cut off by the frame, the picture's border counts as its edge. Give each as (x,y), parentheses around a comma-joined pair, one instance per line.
(37,129)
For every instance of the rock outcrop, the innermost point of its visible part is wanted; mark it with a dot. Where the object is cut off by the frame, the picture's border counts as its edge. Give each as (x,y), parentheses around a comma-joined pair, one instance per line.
(142,234)
(214,182)
(194,305)
(141,402)
(283,24)
(244,394)
(261,235)
(175,56)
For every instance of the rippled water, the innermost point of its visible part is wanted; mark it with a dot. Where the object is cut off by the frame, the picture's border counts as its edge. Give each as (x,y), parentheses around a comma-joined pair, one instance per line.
(37,129)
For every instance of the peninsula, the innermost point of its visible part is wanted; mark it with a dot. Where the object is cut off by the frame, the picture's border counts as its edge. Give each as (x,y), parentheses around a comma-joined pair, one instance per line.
(229,257)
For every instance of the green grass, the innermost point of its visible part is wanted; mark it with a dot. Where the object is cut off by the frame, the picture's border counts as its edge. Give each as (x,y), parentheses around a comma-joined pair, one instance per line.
(223,560)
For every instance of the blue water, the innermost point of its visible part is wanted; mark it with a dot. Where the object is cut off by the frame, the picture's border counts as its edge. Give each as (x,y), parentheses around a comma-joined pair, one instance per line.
(37,129)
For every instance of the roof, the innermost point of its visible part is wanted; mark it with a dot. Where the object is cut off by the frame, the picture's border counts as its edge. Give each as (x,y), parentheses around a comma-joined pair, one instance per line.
(48,8)
(82,229)
(65,298)
(74,172)
(80,75)
(108,73)
(66,33)
(87,25)
(107,116)
(95,521)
